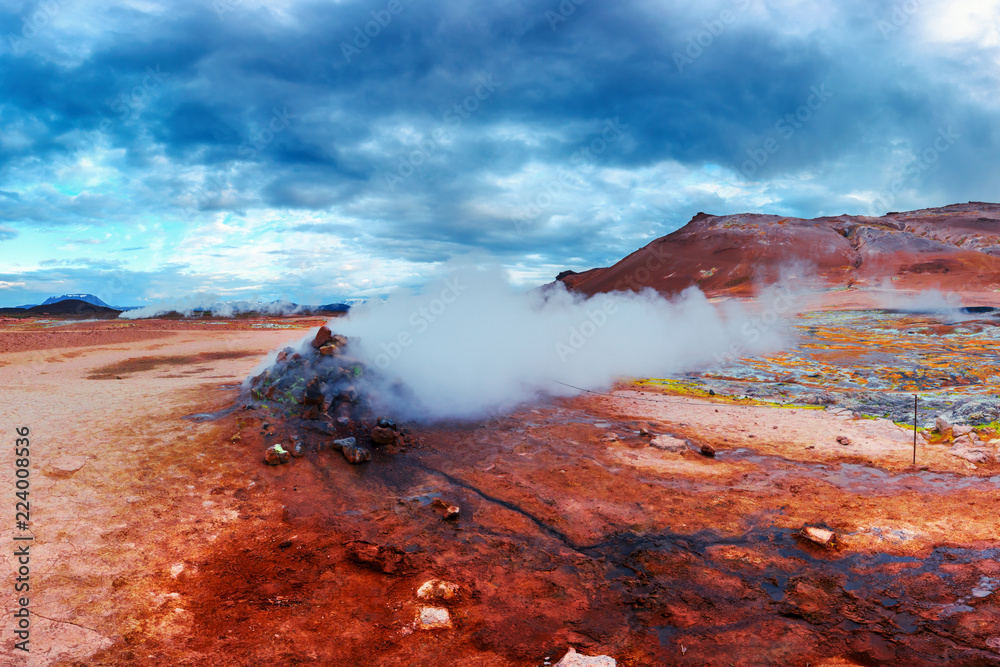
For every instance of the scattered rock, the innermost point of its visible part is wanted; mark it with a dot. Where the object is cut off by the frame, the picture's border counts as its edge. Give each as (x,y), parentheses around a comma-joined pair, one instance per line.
(386,422)
(447,512)
(323,336)
(972,455)
(707,450)
(386,559)
(329,350)
(433,618)
(644,433)
(383,436)
(941,425)
(276,455)
(67,464)
(298,447)
(437,589)
(820,536)
(356,454)
(985,587)
(843,439)
(668,443)
(338,340)
(610,437)
(574,659)
(959,431)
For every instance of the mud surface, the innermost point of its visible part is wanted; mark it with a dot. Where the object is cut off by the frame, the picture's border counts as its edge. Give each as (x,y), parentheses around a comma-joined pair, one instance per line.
(176,545)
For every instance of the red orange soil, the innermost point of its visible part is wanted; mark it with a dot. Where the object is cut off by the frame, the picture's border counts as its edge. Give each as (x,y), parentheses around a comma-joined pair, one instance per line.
(174,545)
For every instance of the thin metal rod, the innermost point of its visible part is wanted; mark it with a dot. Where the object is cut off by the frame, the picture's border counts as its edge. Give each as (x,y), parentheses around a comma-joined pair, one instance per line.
(914,429)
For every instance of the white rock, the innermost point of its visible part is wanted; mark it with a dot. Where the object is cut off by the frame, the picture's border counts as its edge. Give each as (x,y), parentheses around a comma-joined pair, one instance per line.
(433,618)
(668,443)
(574,659)
(959,431)
(437,589)
(819,535)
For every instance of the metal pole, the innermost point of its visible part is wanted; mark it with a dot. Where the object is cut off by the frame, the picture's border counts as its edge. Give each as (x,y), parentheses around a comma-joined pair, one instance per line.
(914,429)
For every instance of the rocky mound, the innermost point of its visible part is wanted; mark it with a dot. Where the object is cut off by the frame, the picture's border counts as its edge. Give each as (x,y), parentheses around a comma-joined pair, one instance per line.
(954,248)
(321,399)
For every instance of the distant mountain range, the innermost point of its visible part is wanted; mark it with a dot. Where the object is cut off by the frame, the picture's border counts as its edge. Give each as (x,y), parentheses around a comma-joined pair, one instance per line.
(71,308)
(86,298)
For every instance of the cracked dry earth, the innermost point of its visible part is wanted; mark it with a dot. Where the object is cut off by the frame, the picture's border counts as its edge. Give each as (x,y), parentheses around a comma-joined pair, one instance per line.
(174,545)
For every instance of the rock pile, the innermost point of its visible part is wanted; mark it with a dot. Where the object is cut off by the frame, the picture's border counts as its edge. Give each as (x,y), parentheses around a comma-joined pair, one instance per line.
(321,388)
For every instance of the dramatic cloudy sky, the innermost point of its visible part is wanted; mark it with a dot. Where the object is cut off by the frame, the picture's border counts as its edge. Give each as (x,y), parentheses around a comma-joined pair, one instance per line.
(154,148)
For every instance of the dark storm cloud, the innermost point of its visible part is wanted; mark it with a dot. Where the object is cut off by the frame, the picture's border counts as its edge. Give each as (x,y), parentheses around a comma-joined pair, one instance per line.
(206,107)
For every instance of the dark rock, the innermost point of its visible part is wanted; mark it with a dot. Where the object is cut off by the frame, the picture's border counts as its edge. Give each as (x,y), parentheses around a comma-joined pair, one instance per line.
(386,422)
(707,450)
(447,512)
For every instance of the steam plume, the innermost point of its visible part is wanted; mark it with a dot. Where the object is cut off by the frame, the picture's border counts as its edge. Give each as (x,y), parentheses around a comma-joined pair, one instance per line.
(471,344)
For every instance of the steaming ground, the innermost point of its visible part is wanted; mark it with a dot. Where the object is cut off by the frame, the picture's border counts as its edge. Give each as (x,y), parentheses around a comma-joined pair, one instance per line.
(470,345)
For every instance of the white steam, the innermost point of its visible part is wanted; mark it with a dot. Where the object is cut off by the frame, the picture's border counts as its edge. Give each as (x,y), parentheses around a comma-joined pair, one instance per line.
(206,303)
(472,344)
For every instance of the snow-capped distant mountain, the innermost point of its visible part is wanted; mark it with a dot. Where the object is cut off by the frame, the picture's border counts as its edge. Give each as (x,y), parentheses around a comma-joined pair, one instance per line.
(89,298)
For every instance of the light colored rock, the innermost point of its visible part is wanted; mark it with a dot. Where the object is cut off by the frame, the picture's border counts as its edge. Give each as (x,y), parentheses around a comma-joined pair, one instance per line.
(574,659)
(437,589)
(971,455)
(433,618)
(68,464)
(668,443)
(959,431)
(820,536)
(941,425)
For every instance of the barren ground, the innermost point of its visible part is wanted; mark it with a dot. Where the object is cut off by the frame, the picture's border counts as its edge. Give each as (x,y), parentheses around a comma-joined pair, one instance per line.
(164,540)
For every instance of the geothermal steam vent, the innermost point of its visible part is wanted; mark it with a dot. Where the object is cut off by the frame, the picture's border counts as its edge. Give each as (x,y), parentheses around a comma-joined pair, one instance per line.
(320,395)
